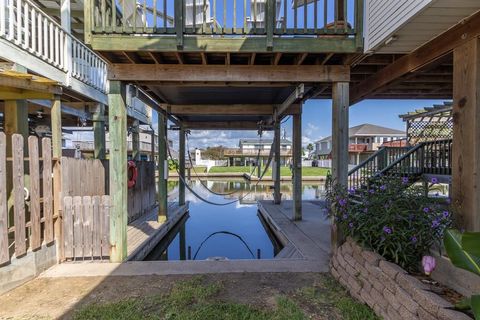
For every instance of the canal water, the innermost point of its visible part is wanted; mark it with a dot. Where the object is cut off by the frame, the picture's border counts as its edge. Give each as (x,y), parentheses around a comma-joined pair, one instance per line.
(232,231)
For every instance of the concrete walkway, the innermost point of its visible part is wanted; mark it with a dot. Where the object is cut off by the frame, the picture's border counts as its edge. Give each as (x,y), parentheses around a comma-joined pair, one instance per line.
(308,238)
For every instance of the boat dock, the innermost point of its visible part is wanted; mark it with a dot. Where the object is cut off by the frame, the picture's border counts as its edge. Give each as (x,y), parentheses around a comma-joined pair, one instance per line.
(146,232)
(307,239)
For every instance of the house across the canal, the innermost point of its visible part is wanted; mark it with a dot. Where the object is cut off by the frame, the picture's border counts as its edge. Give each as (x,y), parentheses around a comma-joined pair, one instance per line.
(363,141)
(250,149)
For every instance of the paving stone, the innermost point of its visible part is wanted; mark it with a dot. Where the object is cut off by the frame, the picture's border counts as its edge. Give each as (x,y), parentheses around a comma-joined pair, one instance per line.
(393,314)
(410,283)
(351,270)
(379,298)
(371,258)
(373,271)
(391,298)
(350,260)
(406,314)
(388,282)
(366,285)
(406,300)
(346,248)
(341,260)
(379,311)
(361,269)
(334,273)
(367,298)
(334,262)
(424,315)
(343,273)
(354,284)
(377,285)
(357,256)
(391,269)
(430,301)
(449,314)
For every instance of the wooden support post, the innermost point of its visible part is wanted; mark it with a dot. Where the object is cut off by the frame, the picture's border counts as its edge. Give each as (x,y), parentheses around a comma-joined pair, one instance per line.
(136,140)
(181,160)
(466,132)
(340,106)
(117,116)
(56,126)
(277,196)
(297,166)
(162,168)
(99,132)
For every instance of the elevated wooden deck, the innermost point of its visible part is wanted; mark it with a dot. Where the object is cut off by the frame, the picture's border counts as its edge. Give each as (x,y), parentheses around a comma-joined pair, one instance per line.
(308,239)
(145,233)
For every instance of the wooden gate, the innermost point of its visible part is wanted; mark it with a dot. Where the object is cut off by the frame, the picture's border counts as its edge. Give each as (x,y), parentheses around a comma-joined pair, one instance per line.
(30,220)
(86,225)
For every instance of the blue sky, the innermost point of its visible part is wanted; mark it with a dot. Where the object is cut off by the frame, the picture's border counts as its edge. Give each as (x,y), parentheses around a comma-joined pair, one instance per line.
(317,121)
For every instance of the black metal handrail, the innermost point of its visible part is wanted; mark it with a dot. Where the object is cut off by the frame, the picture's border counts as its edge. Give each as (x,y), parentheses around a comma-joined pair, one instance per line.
(431,157)
(383,157)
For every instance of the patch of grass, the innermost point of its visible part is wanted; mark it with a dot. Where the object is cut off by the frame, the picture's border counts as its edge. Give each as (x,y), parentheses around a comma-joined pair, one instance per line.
(232,169)
(330,292)
(353,310)
(188,300)
(195,299)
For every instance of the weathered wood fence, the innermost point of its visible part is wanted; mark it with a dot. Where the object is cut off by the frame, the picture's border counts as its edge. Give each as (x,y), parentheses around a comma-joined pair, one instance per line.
(86,225)
(83,177)
(26,213)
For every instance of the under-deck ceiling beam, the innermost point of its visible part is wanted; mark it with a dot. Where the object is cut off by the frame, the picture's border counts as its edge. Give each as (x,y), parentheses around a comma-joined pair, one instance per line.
(443,44)
(225,109)
(234,73)
(225,125)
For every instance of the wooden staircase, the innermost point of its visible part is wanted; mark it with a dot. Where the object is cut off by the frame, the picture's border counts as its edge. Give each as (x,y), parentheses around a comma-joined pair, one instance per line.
(432,159)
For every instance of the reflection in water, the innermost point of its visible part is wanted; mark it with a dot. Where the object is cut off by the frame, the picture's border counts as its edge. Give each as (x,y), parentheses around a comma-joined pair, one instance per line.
(234,231)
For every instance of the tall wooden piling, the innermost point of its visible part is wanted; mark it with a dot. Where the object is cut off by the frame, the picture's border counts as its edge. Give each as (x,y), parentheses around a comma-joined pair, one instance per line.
(181,159)
(162,168)
(277,196)
(118,171)
(297,165)
(340,100)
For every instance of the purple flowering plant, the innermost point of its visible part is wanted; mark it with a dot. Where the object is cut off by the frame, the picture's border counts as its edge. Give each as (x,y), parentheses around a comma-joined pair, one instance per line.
(393,219)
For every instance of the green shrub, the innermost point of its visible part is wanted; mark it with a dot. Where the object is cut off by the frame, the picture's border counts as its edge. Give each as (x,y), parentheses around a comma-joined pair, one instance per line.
(390,217)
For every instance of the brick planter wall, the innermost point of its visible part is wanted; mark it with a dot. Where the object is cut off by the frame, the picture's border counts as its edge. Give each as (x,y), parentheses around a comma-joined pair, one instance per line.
(387,288)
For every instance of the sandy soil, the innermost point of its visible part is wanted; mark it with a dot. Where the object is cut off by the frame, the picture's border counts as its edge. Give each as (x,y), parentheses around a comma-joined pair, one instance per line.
(56,298)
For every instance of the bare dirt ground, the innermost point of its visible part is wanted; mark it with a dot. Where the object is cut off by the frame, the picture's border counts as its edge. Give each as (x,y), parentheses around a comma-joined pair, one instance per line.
(56,298)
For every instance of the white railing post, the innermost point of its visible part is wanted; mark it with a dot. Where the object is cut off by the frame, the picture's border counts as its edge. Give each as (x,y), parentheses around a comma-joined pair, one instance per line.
(65,18)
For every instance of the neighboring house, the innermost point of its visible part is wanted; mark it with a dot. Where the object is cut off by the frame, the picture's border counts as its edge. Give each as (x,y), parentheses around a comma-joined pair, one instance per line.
(364,140)
(263,144)
(248,151)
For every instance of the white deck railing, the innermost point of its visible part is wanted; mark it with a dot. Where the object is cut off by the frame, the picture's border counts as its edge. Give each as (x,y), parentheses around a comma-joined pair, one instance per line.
(24,24)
